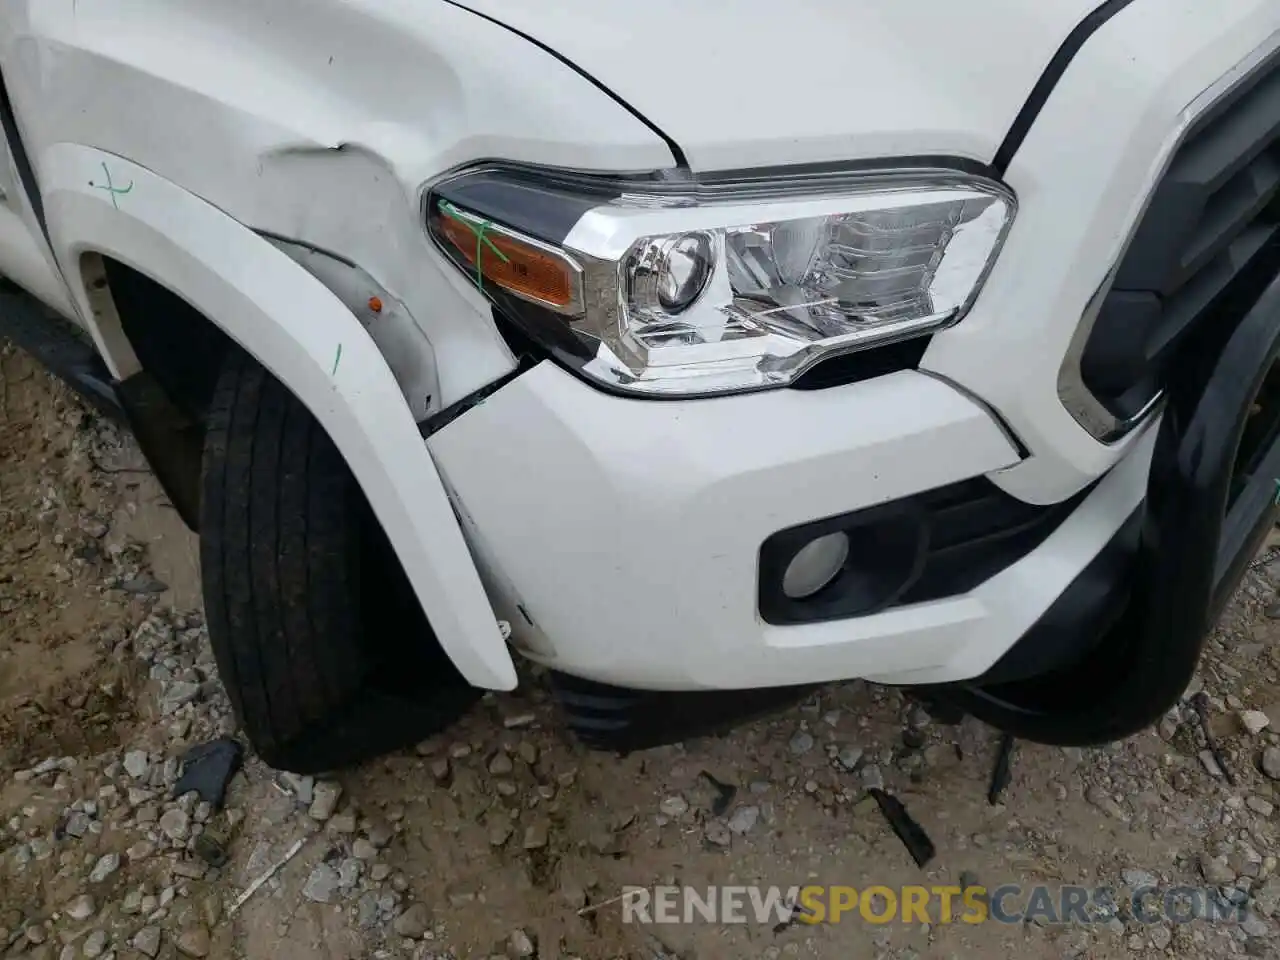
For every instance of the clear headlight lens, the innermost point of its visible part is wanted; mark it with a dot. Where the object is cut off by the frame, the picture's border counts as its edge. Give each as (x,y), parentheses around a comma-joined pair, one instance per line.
(708,292)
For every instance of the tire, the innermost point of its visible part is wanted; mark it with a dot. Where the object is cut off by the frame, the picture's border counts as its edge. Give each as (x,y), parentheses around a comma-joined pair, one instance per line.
(619,719)
(320,642)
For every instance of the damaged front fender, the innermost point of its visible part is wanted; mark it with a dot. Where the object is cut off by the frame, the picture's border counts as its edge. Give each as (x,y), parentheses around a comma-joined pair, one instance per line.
(306,337)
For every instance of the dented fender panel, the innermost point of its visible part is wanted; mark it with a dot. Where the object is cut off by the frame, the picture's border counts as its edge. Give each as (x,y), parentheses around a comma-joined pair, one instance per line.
(320,121)
(303,334)
(398,336)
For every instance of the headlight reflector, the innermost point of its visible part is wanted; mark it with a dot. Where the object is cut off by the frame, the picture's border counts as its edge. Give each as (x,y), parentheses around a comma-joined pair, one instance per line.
(717,292)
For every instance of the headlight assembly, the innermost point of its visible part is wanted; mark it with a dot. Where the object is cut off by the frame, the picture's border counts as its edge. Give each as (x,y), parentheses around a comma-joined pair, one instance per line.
(688,291)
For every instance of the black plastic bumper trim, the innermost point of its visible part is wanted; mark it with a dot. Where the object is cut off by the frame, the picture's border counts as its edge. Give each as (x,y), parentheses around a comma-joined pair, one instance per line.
(1081,616)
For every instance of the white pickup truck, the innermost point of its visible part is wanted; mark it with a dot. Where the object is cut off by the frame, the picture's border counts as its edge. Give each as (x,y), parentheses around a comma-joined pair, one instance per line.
(718,349)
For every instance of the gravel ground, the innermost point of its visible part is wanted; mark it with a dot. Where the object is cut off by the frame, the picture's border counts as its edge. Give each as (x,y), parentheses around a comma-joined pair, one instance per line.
(505,839)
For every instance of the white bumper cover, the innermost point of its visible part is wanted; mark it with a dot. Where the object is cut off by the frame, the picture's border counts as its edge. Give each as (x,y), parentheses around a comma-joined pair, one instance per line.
(621,537)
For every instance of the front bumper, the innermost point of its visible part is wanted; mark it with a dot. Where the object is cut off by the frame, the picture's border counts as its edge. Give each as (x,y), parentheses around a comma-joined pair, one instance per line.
(622,537)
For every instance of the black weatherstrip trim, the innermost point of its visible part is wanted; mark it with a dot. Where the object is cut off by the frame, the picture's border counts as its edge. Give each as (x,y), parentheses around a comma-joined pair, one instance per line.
(676,153)
(442,418)
(20,159)
(1076,39)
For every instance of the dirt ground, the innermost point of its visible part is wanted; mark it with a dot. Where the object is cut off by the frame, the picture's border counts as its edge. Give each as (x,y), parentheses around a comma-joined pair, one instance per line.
(504,838)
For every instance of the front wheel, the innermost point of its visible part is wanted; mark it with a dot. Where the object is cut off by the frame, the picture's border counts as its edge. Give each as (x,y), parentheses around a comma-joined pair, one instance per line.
(319,639)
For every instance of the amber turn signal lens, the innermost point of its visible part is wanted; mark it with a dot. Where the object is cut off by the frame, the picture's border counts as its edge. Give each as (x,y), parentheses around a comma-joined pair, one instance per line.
(508,262)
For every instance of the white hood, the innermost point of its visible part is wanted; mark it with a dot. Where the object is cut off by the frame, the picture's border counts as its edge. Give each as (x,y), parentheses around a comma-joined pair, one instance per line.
(761,82)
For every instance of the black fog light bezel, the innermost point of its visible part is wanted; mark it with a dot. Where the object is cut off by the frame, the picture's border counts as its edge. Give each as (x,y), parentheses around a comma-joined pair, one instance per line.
(888,545)
(970,531)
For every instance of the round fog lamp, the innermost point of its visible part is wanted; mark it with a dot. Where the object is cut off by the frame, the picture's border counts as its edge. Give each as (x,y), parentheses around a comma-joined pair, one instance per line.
(815,565)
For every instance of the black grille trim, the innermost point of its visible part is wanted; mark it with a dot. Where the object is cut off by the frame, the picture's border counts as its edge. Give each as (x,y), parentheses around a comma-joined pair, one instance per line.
(976,530)
(1206,246)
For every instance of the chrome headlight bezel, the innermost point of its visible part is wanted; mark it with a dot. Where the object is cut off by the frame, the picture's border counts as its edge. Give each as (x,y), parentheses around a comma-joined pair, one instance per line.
(597,224)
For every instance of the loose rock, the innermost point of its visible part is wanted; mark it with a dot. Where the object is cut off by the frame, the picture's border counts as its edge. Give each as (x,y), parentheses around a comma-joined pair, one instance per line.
(871,777)
(177,693)
(674,807)
(717,834)
(79,824)
(1260,806)
(1254,721)
(349,872)
(1267,897)
(535,836)
(322,886)
(303,787)
(324,801)
(342,823)
(147,942)
(744,819)
(1161,937)
(1271,762)
(95,944)
(136,764)
(1255,927)
(1136,879)
(194,942)
(413,922)
(379,833)
(519,946)
(81,908)
(105,867)
(175,824)
(1217,870)
(801,743)
(849,757)
(140,851)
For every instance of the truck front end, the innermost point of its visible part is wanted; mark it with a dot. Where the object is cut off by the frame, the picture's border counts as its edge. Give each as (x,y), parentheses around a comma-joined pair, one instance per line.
(943,365)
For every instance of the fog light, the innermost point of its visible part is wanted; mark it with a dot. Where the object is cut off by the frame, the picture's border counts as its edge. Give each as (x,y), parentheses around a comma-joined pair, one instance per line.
(815,565)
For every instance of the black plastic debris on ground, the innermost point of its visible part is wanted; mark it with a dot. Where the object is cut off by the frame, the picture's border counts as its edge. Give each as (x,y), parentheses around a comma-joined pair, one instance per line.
(798,910)
(1003,772)
(207,768)
(211,850)
(725,792)
(911,834)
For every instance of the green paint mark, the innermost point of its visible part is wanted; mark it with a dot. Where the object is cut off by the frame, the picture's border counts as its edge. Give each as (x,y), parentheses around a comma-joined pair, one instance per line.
(337,359)
(110,187)
(479,227)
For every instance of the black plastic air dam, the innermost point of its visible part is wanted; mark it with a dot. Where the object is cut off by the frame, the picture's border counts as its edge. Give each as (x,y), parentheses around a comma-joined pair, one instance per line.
(1205,516)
